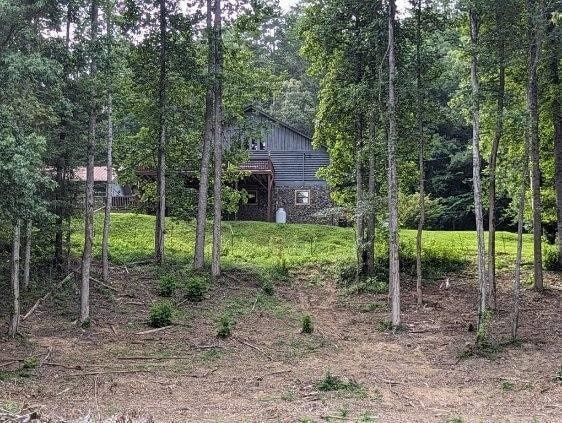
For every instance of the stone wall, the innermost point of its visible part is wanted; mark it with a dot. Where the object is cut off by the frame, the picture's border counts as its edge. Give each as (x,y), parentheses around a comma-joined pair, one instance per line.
(319,200)
(285,197)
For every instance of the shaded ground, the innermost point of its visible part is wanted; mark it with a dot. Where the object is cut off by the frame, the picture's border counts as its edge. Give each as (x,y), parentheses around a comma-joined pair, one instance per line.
(269,371)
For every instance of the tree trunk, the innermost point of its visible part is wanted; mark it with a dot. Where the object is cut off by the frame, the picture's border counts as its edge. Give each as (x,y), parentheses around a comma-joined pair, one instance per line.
(493,164)
(61,163)
(15,278)
(533,134)
(421,162)
(359,203)
(217,135)
(199,256)
(27,254)
(371,214)
(161,165)
(394,262)
(520,223)
(482,285)
(557,122)
(89,199)
(108,187)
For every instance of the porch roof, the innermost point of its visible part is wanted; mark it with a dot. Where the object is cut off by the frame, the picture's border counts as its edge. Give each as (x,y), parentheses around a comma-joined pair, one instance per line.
(258,167)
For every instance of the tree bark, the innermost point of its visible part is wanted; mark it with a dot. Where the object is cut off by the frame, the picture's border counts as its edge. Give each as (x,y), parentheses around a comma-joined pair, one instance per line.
(199,256)
(421,154)
(533,134)
(482,284)
(108,187)
(89,199)
(498,132)
(518,260)
(15,318)
(61,163)
(27,254)
(161,165)
(359,203)
(217,135)
(556,106)
(371,216)
(393,243)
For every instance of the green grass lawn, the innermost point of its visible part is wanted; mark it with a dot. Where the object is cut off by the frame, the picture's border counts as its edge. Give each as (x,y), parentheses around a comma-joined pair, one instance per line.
(261,244)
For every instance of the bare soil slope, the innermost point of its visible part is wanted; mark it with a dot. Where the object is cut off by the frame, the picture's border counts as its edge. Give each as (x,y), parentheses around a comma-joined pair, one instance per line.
(269,371)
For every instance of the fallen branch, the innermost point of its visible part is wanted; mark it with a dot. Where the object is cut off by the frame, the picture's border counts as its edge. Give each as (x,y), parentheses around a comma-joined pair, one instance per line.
(64,366)
(9,363)
(146,357)
(47,295)
(253,347)
(146,332)
(113,329)
(108,372)
(112,288)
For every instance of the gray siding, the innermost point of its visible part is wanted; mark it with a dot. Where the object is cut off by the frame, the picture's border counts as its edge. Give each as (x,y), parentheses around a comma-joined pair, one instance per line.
(295,160)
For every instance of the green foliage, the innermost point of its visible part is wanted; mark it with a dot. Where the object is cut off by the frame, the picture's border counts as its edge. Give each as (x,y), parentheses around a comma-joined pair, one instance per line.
(508,385)
(482,338)
(449,250)
(167,285)
(306,324)
(195,287)
(385,326)
(268,287)
(225,325)
(551,259)
(454,419)
(332,382)
(559,374)
(160,314)
(30,362)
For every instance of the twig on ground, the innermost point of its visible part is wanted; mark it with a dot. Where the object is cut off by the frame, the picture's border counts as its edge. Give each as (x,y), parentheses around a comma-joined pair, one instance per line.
(46,357)
(9,363)
(146,332)
(146,357)
(109,372)
(47,295)
(112,288)
(253,347)
(113,329)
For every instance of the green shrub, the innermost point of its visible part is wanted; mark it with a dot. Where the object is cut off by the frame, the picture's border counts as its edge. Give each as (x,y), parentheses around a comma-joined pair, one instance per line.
(168,285)
(30,362)
(267,287)
(225,326)
(195,287)
(559,374)
(346,274)
(385,326)
(335,383)
(550,259)
(160,314)
(307,326)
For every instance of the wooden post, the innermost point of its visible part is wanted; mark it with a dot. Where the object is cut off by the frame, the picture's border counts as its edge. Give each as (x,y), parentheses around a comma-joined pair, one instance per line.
(269,199)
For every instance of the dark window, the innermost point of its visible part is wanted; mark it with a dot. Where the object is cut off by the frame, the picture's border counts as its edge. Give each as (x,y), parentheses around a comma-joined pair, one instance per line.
(302,197)
(253,145)
(262,145)
(252,198)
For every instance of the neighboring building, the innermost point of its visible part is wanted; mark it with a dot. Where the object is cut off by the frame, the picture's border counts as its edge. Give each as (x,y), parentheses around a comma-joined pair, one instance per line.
(282,172)
(122,196)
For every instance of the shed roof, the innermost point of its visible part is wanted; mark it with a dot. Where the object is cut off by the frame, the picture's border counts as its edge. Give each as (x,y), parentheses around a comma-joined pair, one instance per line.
(100,174)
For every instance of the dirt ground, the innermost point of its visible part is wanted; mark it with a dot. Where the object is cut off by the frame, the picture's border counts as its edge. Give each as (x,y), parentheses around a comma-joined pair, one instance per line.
(269,371)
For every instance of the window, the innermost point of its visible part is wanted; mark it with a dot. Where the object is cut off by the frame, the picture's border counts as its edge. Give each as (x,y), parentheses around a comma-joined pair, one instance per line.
(258,145)
(252,197)
(302,197)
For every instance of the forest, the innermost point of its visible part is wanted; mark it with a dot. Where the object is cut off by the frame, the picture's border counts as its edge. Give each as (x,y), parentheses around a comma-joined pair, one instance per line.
(280,210)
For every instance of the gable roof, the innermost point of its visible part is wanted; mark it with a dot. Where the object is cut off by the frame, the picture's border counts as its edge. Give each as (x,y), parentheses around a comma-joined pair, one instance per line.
(262,112)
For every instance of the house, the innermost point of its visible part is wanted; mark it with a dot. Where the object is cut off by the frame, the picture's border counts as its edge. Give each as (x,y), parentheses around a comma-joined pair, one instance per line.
(121,194)
(282,172)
